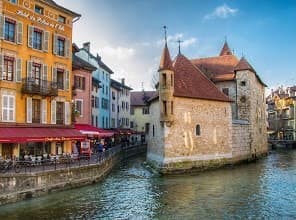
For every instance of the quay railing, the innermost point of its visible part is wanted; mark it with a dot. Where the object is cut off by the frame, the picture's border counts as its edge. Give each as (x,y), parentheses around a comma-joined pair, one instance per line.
(63,162)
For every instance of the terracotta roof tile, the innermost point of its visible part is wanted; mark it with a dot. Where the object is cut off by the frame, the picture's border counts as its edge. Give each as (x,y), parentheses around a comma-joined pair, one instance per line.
(190,82)
(213,66)
(139,98)
(243,64)
(165,60)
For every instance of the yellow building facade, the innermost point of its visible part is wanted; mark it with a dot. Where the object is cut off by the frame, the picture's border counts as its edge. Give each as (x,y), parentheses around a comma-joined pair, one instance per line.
(35,78)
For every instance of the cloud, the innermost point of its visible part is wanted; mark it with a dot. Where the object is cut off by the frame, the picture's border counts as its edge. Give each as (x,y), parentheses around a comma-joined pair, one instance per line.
(118,52)
(178,36)
(188,42)
(223,11)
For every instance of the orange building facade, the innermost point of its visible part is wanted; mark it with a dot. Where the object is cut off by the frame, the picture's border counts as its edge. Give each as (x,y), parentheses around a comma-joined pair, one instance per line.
(35,78)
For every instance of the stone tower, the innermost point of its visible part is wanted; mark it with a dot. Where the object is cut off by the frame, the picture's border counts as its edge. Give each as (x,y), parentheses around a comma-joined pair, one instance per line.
(251,104)
(166,87)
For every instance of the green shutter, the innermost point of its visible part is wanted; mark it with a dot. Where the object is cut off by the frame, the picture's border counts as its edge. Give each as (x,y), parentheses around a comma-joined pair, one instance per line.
(29,109)
(67,80)
(53,112)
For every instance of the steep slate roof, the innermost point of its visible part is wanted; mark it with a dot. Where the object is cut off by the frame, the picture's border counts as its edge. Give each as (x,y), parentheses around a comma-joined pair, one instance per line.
(138,98)
(65,10)
(78,63)
(165,60)
(117,85)
(225,50)
(190,82)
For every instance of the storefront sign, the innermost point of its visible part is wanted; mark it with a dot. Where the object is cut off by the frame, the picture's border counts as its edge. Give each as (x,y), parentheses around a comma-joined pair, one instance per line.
(40,20)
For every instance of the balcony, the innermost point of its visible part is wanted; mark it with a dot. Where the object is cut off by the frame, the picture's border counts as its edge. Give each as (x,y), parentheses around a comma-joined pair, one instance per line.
(39,87)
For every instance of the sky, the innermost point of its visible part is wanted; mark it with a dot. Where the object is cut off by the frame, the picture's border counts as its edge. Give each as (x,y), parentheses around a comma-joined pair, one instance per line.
(128,34)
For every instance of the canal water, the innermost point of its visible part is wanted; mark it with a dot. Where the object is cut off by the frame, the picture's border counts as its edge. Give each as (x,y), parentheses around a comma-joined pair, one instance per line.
(265,189)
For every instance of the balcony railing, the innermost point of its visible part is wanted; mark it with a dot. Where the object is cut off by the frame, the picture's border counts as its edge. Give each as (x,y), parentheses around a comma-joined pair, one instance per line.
(39,87)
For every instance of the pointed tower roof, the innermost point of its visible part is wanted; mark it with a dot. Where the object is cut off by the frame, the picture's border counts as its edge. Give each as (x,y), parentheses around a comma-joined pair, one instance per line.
(225,50)
(190,82)
(243,64)
(165,60)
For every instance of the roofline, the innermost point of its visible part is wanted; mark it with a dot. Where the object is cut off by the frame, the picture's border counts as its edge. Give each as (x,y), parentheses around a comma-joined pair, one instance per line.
(190,97)
(101,63)
(65,10)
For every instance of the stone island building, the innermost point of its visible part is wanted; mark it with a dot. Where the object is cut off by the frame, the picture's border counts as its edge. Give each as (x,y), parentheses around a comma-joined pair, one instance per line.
(208,112)
(35,78)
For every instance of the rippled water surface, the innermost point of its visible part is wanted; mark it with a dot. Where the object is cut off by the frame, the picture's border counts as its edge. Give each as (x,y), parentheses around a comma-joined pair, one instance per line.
(262,190)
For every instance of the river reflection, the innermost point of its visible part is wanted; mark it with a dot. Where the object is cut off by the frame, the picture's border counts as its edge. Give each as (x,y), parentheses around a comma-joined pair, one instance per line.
(262,190)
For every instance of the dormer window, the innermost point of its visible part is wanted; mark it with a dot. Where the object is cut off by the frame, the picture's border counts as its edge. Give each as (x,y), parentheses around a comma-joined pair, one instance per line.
(39,9)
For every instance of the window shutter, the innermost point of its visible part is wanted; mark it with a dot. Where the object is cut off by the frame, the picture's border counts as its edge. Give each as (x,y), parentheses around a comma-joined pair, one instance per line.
(29,69)
(44,111)
(45,41)
(54,74)
(55,44)
(44,72)
(1,65)
(53,112)
(67,113)
(11,114)
(18,64)
(4,108)
(2,19)
(67,48)
(19,36)
(30,35)
(67,80)
(83,83)
(29,109)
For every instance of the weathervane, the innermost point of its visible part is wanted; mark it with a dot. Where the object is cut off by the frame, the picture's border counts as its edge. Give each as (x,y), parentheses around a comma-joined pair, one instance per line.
(179,41)
(165,33)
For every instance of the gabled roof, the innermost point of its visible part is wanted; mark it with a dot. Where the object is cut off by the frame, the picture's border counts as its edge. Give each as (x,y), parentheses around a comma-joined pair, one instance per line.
(139,98)
(243,64)
(225,50)
(117,85)
(165,60)
(57,6)
(190,82)
(78,63)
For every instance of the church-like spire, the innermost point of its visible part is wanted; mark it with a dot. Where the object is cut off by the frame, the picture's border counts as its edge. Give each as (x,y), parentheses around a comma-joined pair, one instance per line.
(165,60)
(225,50)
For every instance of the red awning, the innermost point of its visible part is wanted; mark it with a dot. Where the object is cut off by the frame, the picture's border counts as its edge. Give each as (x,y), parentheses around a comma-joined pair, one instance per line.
(36,134)
(91,130)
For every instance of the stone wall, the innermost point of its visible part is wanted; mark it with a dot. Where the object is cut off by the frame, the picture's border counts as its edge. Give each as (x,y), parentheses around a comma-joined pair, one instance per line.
(155,148)
(177,146)
(241,140)
(15,187)
(251,107)
(231,85)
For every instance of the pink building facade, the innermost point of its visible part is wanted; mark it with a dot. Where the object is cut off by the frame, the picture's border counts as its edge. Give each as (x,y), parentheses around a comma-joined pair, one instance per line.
(81,90)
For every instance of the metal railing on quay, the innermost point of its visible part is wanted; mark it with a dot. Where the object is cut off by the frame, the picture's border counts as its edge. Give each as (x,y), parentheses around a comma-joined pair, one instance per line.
(56,163)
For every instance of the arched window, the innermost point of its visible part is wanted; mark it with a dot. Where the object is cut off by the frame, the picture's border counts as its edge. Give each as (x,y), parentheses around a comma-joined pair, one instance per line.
(197,130)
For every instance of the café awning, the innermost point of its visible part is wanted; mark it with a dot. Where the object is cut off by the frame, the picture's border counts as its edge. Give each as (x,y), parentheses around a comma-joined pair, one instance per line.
(38,134)
(93,131)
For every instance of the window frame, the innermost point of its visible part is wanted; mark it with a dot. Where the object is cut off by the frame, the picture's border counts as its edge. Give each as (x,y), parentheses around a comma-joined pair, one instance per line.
(8,108)
(37,8)
(8,62)
(37,39)
(10,28)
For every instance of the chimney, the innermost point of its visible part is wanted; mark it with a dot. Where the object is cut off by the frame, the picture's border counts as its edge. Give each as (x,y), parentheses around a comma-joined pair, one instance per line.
(122,81)
(98,57)
(86,46)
